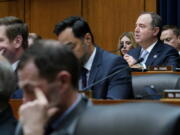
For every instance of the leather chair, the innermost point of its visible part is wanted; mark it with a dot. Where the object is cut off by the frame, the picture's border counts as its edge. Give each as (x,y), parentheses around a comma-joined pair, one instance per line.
(130,119)
(151,86)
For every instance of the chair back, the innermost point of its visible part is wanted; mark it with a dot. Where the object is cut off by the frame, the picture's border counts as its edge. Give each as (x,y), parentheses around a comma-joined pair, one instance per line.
(130,119)
(155,83)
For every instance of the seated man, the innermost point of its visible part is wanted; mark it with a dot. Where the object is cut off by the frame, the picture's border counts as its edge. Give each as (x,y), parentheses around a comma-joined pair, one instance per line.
(171,35)
(13,34)
(151,51)
(48,74)
(7,87)
(106,74)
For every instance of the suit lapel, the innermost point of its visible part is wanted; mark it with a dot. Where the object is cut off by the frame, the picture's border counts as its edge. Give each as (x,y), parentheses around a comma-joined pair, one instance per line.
(95,66)
(153,54)
(137,54)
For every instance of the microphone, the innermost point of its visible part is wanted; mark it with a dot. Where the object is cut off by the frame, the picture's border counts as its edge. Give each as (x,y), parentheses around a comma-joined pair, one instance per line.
(138,69)
(110,75)
(107,77)
(149,93)
(138,61)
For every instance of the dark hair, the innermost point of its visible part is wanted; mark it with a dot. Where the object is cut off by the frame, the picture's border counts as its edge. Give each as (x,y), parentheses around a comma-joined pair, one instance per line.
(14,27)
(79,27)
(7,80)
(156,21)
(51,57)
(174,28)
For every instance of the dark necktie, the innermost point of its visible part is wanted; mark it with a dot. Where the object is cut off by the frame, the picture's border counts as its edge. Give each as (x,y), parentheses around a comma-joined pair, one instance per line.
(84,77)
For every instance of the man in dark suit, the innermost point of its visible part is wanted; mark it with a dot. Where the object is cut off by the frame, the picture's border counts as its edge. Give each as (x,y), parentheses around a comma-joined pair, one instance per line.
(171,35)
(48,74)
(97,64)
(153,52)
(7,87)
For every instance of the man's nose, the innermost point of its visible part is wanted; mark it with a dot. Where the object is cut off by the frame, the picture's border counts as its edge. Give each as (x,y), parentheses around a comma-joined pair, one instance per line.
(136,29)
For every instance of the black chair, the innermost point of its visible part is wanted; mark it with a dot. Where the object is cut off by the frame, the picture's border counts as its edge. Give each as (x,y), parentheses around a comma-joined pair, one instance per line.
(151,86)
(130,119)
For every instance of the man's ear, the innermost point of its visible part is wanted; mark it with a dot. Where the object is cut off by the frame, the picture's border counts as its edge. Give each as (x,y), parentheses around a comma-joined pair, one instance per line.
(178,38)
(64,79)
(156,31)
(88,38)
(18,41)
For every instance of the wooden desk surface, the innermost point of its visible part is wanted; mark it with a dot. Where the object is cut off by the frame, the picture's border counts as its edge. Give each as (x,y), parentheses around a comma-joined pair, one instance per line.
(15,103)
(154,72)
(167,101)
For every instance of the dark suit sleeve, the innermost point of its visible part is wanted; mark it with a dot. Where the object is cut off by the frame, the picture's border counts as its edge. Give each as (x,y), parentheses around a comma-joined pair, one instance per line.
(120,85)
(173,58)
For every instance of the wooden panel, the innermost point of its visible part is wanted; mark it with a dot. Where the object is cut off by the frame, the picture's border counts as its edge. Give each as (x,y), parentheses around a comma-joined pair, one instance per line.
(106,102)
(150,5)
(12,8)
(42,15)
(15,104)
(154,72)
(109,19)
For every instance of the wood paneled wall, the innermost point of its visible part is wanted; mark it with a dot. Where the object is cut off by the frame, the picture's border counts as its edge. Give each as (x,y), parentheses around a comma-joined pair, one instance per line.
(42,15)
(12,8)
(107,18)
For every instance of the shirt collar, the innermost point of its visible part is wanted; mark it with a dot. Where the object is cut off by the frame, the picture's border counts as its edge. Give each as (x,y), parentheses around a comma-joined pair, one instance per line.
(89,63)
(149,49)
(14,65)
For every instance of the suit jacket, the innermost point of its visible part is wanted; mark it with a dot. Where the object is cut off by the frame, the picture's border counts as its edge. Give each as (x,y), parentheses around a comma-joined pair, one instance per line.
(67,125)
(161,55)
(118,86)
(7,122)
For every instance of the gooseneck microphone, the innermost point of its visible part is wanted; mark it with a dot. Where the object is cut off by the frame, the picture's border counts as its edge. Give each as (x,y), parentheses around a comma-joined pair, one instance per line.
(138,61)
(110,75)
(107,77)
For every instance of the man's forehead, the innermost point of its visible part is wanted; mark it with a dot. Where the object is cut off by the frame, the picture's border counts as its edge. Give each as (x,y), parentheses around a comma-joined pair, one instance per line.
(28,70)
(66,36)
(168,32)
(144,18)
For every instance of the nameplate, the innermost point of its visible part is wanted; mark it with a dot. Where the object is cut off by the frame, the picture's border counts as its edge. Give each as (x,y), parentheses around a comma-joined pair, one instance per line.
(160,68)
(87,93)
(172,94)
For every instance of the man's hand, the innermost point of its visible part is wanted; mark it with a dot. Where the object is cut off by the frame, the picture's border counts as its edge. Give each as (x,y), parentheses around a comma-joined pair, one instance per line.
(130,60)
(34,115)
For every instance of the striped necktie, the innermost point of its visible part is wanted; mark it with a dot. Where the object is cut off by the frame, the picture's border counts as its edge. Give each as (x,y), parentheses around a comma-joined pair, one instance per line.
(143,55)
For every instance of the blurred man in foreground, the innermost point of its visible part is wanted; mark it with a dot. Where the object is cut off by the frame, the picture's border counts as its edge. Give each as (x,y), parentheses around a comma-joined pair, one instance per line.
(48,73)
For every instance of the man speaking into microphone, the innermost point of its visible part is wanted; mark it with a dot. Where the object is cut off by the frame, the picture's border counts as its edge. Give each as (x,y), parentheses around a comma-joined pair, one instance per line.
(153,52)
(96,63)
